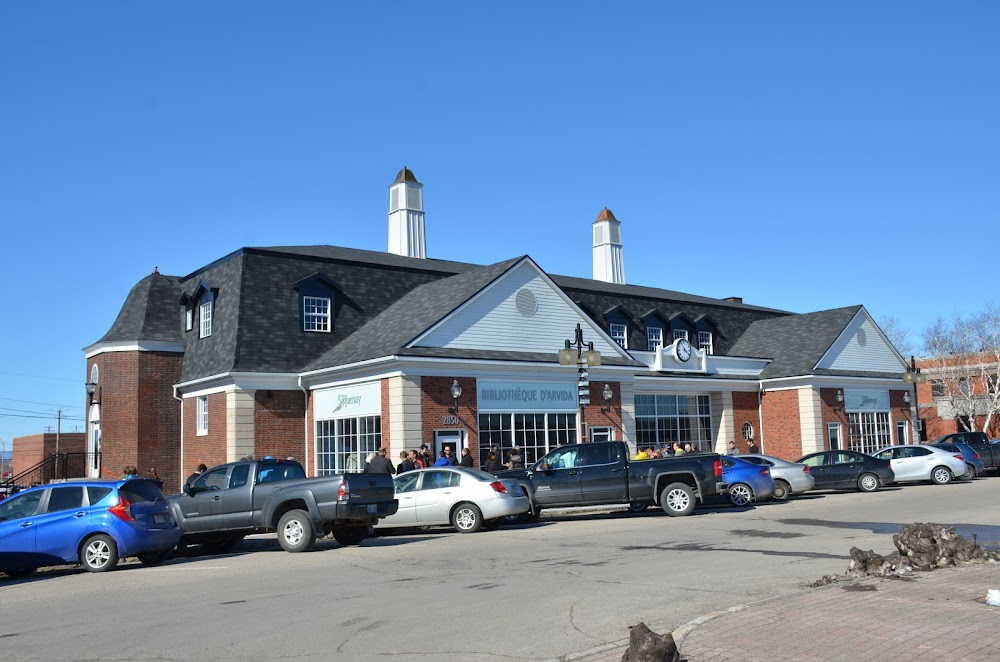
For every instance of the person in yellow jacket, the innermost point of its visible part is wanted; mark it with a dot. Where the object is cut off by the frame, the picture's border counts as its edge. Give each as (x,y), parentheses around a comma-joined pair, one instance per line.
(642,455)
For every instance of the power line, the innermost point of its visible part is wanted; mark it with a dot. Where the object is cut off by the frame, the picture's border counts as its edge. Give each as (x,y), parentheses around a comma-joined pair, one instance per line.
(48,404)
(47,418)
(58,379)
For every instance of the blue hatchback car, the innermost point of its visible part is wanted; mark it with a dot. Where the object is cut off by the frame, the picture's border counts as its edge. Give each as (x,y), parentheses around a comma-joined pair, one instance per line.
(747,482)
(91,522)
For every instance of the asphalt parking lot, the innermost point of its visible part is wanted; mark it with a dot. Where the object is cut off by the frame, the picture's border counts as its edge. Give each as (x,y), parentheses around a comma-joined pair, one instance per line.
(569,582)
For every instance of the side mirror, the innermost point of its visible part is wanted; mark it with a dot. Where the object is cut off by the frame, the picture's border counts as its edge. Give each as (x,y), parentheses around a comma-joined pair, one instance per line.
(189,489)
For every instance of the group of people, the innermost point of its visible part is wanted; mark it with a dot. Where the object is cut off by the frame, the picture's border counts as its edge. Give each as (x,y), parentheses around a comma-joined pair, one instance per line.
(379,463)
(133,472)
(654,452)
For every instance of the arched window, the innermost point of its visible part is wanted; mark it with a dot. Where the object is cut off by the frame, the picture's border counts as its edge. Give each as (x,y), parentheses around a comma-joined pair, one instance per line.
(93,374)
(748,431)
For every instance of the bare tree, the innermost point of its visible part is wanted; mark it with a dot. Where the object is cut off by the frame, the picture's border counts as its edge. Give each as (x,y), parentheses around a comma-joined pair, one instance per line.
(963,363)
(897,334)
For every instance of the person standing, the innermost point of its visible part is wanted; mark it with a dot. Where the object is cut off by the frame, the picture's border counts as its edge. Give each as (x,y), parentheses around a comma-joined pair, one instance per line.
(197,472)
(492,464)
(466,458)
(444,460)
(426,455)
(732,450)
(514,459)
(404,463)
(416,461)
(380,464)
(451,458)
(677,449)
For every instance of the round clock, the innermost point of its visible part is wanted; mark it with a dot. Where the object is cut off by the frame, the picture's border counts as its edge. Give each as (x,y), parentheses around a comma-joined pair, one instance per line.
(682,350)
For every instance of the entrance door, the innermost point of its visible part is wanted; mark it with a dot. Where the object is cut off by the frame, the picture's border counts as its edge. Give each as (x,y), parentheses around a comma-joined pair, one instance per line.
(452,439)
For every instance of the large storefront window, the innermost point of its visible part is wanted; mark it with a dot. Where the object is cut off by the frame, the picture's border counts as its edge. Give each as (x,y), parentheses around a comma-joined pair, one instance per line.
(344,444)
(662,420)
(536,434)
(868,431)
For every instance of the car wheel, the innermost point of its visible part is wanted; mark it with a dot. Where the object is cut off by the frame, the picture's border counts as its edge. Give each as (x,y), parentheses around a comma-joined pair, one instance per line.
(99,553)
(467,518)
(970,472)
(155,558)
(637,507)
(350,535)
(782,491)
(740,494)
(295,531)
(868,483)
(941,476)
(677,499)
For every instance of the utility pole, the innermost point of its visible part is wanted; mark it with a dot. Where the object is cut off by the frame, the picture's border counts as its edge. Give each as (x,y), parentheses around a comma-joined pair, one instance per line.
(58,429)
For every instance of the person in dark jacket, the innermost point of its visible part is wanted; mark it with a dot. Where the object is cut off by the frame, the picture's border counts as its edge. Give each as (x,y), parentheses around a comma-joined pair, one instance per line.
(415,460)
(404,463)
(426,455)
(197,473)
(492,464)
(466,458)
(380,464)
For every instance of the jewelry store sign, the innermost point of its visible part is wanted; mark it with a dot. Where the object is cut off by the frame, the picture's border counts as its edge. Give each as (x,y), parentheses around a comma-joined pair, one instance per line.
(866,400)
(348,401)
(527,396)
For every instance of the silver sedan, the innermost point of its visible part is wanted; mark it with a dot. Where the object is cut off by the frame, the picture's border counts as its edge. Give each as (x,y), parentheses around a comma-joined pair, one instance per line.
(467,499)
(789,477)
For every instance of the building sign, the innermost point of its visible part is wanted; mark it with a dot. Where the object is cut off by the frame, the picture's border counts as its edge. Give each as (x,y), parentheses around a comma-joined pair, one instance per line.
(348,401)
(528,396)
(866,400)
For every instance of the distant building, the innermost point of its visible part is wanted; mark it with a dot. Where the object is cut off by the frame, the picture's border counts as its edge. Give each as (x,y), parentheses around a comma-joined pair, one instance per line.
(327,353)
(957,394)
(31,450)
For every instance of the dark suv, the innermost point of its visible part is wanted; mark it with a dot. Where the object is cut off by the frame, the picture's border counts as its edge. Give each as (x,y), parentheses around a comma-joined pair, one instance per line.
(988,453)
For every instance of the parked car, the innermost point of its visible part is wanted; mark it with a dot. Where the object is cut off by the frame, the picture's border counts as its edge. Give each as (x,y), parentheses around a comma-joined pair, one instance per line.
(601,473)
(233,500)
(848,470)
(789,478)
(973,461)
(91,522)
(465,498)
(921,462)
(747,482)
(988,453)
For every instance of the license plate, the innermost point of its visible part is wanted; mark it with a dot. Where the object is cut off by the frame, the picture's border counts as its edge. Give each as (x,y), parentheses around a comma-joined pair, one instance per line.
(159,519)
(372,508)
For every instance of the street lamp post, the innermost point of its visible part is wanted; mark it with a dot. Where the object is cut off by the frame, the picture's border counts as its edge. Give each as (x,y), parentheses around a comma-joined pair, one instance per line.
(915,377)
(582,355)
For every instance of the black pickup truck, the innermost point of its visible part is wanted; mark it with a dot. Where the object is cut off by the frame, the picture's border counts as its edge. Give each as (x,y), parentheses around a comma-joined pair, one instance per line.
(602,474)
(988,453)
(233,500)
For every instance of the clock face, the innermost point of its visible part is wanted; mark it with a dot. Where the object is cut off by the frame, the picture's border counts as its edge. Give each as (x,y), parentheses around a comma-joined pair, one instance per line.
(682,350)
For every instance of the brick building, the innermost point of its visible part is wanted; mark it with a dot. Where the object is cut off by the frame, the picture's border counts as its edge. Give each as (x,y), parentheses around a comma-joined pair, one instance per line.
(958,394)
(30,450)
(325,353)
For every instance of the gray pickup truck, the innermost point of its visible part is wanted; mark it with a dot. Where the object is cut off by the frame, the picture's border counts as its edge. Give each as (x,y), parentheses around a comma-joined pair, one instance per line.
(234,500)
(602,474)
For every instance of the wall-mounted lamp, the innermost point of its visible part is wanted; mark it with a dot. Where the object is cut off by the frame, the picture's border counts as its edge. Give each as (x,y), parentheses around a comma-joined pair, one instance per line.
(906,397)
(456,393)
(840,399)
(91,391)
(608,394)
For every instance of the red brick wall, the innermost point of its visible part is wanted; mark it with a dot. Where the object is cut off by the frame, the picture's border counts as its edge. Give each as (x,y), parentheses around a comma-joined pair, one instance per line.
(745,409)
(29,450)
(782,432)
(209,449)
(593,415)
(832,412)
(310,463)
(279,419)
(437,405)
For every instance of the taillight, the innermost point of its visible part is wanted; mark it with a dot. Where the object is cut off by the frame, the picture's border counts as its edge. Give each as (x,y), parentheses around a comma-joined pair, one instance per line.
(960,457)
(498,487)
(344,493)
(975,456)
(717,466)
(805,468)
(123,510)
(765,472)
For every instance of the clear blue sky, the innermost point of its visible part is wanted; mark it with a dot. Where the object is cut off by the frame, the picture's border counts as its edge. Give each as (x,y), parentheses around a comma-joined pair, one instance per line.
(802,155)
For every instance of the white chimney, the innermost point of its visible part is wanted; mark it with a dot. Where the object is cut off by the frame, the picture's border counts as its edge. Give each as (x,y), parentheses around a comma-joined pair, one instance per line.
(406,216)
(608,263)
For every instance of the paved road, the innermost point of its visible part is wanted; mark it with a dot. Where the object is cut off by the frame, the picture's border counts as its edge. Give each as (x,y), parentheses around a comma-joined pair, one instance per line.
(568,583)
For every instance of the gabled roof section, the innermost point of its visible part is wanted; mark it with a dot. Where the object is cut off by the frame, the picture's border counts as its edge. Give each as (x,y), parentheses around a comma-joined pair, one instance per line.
(200,288)
(681,317)
(621,310)
(795,343)
(150,312)
(318,277)
(862,346)
(705,319)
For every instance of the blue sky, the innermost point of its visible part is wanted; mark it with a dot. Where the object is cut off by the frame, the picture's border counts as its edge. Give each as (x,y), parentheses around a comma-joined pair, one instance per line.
(802,155)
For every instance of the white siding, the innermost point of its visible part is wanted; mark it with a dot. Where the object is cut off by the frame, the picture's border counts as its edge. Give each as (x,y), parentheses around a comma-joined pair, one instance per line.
(492,321)
(239,424)
(628,415)
(722,420)
(405,419)
(875,355)
(811,421)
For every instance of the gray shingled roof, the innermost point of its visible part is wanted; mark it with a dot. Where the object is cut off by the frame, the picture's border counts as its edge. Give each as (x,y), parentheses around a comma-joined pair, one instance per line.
(795,343)
(150,312)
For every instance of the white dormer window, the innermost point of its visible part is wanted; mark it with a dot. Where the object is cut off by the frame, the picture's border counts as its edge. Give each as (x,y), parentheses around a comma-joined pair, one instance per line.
(680,334)
(201,415)
(705,341)
(654,338)
(189,319)
(618,334)
(316,314)
(205,319)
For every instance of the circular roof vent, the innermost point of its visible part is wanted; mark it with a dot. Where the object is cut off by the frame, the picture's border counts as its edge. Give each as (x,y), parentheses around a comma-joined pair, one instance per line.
(862,337)
(526,302)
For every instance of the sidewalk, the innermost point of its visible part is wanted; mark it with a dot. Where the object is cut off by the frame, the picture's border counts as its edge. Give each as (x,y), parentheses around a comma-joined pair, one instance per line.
(939,615)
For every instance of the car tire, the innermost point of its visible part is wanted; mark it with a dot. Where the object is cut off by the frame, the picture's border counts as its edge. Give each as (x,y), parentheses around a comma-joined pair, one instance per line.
(155,558)
(941,475)
(350,535)
(868,483)
(467,518)
(740,494)
(782,491)
(637,507)
(296,532)
(677,499)
(970,472)
(99,553)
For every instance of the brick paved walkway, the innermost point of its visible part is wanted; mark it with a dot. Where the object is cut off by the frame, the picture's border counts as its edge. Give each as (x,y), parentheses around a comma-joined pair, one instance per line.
(940,615)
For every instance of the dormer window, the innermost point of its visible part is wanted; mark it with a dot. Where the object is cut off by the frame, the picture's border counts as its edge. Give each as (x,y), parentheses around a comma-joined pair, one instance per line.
(205,319)
(316,314)
(705,341)
(680,334)
(618,334)
(189,319)
(654,338)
